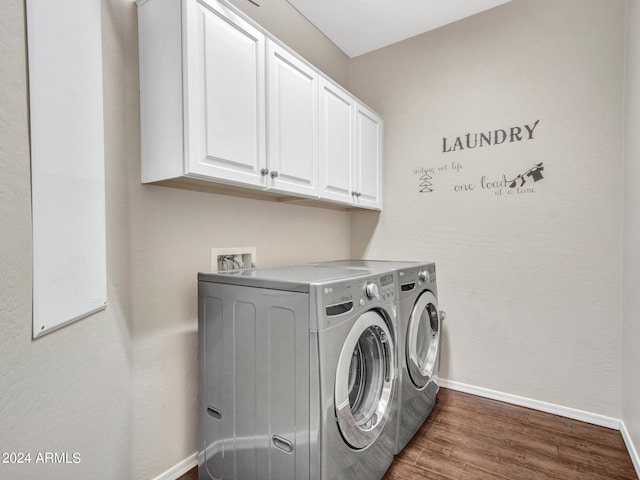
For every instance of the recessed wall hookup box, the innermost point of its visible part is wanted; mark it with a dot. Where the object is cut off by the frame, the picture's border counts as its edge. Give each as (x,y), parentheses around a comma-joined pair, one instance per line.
(233,258)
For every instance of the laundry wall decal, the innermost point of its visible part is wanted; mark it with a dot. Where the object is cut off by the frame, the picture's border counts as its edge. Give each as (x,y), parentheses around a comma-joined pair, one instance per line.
(461,174)
(519,184)
(425,182)
(535,173)
(487,138)
(510,186)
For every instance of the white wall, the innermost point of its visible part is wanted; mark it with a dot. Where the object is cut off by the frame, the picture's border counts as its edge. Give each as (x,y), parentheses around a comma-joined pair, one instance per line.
(631,326)
(70,391)
(531,282)
(120,387)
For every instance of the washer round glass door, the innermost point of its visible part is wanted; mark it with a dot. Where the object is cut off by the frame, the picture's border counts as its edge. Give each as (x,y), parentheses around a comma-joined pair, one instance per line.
(365,379)
(423,339)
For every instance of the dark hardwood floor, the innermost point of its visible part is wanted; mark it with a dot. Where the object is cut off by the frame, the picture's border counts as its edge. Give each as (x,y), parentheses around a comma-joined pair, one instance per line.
(470,437)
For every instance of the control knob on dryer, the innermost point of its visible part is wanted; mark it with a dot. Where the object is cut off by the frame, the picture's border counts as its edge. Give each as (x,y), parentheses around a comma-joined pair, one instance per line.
(423,276)
(371,290)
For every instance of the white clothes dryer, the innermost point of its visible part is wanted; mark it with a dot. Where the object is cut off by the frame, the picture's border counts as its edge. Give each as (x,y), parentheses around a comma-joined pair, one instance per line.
(297,374)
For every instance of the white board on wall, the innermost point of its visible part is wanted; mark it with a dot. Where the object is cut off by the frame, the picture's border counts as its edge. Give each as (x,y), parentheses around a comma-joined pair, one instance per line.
(67,161)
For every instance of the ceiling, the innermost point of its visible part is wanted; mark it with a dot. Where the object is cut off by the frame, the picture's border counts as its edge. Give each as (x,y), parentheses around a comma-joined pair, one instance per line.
(360,26)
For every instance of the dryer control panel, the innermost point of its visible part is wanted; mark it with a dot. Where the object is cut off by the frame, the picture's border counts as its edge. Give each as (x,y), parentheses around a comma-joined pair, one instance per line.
(414,280)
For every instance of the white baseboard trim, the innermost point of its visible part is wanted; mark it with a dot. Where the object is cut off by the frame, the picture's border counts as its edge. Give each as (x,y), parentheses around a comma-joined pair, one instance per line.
(633,453)
(568,412)
(179,469)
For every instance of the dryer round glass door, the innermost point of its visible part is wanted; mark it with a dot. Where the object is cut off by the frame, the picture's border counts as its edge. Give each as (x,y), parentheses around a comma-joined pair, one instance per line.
(365,378)
(423,340)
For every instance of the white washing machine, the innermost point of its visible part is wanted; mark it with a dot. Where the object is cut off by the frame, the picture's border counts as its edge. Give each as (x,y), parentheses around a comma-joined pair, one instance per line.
(297,374)
(419,339)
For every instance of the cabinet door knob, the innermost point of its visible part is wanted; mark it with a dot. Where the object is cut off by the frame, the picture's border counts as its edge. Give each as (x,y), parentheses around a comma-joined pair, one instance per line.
(264,172)
(274,174)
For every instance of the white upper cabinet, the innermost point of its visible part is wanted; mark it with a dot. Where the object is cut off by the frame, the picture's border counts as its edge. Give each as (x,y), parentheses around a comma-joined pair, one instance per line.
(293,123)
(337,146)
(368,158)
(224,101)
(350,149)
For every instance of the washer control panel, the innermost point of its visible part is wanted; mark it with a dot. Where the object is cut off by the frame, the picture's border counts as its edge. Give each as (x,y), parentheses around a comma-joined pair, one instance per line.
(378,290)
(341,299)
(371,290)
(387,287)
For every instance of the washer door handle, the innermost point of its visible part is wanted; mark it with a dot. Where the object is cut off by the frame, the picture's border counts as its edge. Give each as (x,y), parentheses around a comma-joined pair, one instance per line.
(282,443)
(214,412)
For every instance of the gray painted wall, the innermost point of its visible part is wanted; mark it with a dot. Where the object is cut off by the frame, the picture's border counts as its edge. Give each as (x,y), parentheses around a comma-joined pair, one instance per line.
(631,326)
(531,277)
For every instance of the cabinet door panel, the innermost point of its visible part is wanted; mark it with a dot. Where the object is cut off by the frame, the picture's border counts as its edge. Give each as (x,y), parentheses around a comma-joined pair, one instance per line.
(293,123)
(336,143)
(368,158)
(225,95)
